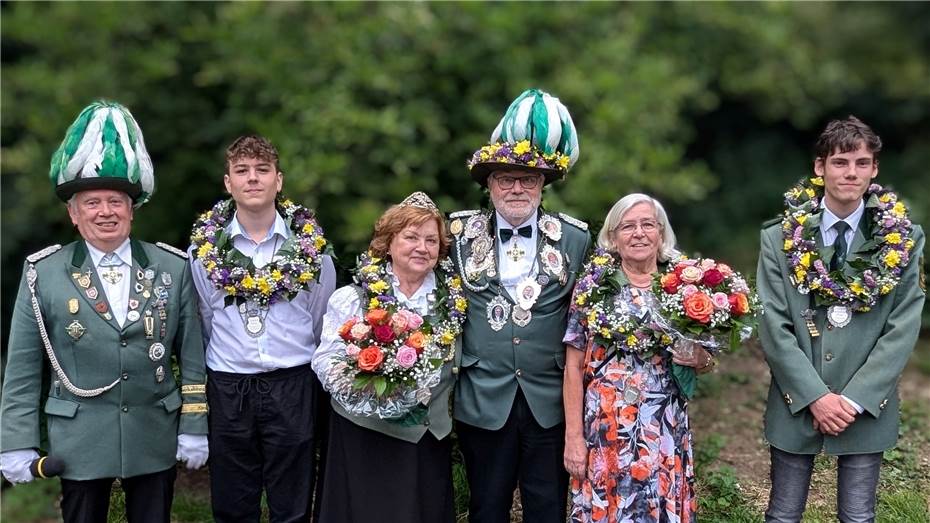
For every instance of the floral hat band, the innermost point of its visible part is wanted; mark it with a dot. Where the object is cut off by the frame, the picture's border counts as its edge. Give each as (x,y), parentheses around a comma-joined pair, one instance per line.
(535,135)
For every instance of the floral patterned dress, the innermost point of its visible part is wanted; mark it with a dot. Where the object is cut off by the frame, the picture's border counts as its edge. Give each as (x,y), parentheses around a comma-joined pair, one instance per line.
(640,463)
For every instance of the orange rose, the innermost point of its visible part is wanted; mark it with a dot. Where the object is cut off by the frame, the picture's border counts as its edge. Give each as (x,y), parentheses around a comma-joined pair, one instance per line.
(739,303)
(377,317)
(670,282)
(347,328)
(370,358)
(416,340)
(698,307)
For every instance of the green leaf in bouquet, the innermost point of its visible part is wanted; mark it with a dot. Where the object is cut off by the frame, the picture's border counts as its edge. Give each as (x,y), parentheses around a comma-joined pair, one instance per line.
(734,337)
(361,381)
(381,385)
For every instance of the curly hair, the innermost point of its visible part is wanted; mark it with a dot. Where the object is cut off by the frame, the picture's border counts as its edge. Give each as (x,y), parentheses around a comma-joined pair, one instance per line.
(252,146)
(843,136)
(398,218)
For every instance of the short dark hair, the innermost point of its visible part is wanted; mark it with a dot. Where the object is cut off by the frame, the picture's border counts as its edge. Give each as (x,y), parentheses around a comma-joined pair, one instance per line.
(252,146)
(847,135)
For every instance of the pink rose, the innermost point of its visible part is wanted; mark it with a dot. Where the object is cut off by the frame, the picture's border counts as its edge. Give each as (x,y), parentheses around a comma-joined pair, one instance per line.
(707,263)
(414,320)
(384,333)
(360,331)
(725,270)
(688,290)
(406,357)
(399,322)
(691,274)
(721,301)
(352,351)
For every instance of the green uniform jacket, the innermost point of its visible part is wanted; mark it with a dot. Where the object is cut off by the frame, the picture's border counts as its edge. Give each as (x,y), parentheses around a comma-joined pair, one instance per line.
(132,428)
(862,360)
(495,363)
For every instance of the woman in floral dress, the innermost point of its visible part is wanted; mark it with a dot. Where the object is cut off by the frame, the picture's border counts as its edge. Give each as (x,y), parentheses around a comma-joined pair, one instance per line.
(627,439)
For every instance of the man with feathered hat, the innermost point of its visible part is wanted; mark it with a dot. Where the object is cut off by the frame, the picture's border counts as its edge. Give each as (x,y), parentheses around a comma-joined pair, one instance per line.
(108,316)
(518,263)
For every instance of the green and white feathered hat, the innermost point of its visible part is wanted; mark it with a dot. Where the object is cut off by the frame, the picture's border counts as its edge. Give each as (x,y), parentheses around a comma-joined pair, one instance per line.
(536,134)
(103,149)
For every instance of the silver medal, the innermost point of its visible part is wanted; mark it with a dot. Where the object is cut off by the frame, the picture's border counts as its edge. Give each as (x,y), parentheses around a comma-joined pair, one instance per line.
(132,315)
(476,225)
(159,374)
(156,351)
(498,310)
(527,293)
(166,279)
(149,274)
(254,325)
(521,316)
(839,315)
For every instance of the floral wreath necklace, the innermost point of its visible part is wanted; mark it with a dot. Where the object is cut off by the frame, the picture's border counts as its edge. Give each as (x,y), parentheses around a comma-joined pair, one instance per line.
(869,273)
(613,324)
(295,266)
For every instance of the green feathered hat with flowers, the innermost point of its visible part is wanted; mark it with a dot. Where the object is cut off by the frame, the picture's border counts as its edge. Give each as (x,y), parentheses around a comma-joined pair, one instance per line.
(536,134)
(103,149)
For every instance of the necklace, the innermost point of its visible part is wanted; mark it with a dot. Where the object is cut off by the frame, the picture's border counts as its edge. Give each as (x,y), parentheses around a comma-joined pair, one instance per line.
(294,267)
(869,273)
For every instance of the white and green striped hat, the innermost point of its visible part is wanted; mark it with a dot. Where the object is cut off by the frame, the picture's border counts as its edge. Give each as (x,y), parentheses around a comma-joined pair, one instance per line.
(103,149)
(536,134)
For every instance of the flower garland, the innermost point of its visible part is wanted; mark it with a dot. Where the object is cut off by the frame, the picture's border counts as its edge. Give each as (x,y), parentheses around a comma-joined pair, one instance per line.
(296,264)
(394,356)
(613,323)
(871,272)
(520,153)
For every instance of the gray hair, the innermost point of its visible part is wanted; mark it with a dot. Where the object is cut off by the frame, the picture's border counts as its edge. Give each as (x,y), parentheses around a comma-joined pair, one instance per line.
(667,250)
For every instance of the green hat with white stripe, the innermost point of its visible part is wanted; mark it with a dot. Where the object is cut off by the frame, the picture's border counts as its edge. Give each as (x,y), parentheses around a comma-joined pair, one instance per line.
(536,134)
(103,149)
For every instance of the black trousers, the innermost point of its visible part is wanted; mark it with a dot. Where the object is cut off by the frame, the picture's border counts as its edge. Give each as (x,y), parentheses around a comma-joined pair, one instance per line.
(521,452)
(261,438)
(148,498)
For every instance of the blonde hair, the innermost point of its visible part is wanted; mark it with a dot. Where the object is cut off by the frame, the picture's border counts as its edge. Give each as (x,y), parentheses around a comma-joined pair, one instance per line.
(667,250)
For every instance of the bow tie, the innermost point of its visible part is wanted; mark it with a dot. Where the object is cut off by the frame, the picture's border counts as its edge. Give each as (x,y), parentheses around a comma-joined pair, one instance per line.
(506,234)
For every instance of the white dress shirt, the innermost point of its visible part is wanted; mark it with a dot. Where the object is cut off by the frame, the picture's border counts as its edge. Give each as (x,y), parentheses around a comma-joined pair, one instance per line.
(292,328)
(829,234)
(513,272)
(345,304)
(117,294)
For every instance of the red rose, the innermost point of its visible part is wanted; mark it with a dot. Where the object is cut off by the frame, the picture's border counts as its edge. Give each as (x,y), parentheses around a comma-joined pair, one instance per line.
(739,303)
(347,328)
(698,307)
(370,358)
(678,268)
(713,278)
(384,333)
(670,282)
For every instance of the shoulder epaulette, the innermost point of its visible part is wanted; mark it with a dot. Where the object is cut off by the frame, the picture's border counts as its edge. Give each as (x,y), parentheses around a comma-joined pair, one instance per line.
(172,249)
(768,223)
(574,221)
(44,253)
(463,214)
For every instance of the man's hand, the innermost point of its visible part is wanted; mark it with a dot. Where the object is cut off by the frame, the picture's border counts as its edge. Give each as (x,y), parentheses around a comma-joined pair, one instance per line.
(193,450)
(576,457)
(832,414)
(15,465)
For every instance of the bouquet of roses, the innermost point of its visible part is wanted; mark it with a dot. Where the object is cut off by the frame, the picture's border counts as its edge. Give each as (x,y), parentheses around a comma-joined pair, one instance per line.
(707,302)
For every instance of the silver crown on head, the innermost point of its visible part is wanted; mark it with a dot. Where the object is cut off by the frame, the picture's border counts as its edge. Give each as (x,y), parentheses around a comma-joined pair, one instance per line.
(421,200)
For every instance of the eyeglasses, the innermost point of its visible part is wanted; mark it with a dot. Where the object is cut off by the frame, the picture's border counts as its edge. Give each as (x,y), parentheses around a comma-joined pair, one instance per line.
(648,226)
(527,182)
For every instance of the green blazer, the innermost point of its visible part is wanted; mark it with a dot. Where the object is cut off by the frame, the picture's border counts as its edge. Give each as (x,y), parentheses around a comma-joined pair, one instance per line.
(496,363)
(132,428)
(862,360)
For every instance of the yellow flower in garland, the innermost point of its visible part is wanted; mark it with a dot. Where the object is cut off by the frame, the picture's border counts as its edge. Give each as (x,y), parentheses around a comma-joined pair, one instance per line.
(379,286)
(581,299)
(522,147)
(447,338)
(802,218)
(461,304)
(319,242)
(631,340)
(892,258)
(805,259)
(909,244)
(210,265)
(601,260)
(592,317)
(856,287)
(374,303)
(563,162)
(788,245)
(308,228)
(248,282)
(230,289)
(799,274)
(810,192)
(885,198)
(305,277)
(263,286)
(886,288)
(898,210)
(276,275)
(817,180)
(605,332)
(204,250)
(287,202)
(893,238)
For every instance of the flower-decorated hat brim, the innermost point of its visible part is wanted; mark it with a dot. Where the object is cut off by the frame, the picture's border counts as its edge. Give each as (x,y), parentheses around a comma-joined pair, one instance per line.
(481,171)
(68,189)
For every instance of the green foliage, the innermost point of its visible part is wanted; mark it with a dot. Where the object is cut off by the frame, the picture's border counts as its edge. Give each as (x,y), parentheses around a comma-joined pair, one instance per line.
(722,497)
(35,501)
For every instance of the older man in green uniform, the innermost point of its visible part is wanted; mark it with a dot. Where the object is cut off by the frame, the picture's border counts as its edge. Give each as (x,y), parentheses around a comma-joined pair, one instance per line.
(840,278)
(109,315)
(518,265)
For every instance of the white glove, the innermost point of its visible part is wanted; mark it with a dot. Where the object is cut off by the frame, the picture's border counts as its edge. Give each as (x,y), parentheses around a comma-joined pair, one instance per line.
(15,465)
(193,450)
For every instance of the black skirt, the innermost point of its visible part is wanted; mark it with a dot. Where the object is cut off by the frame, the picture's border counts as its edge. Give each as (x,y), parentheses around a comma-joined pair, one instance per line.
(374,478)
